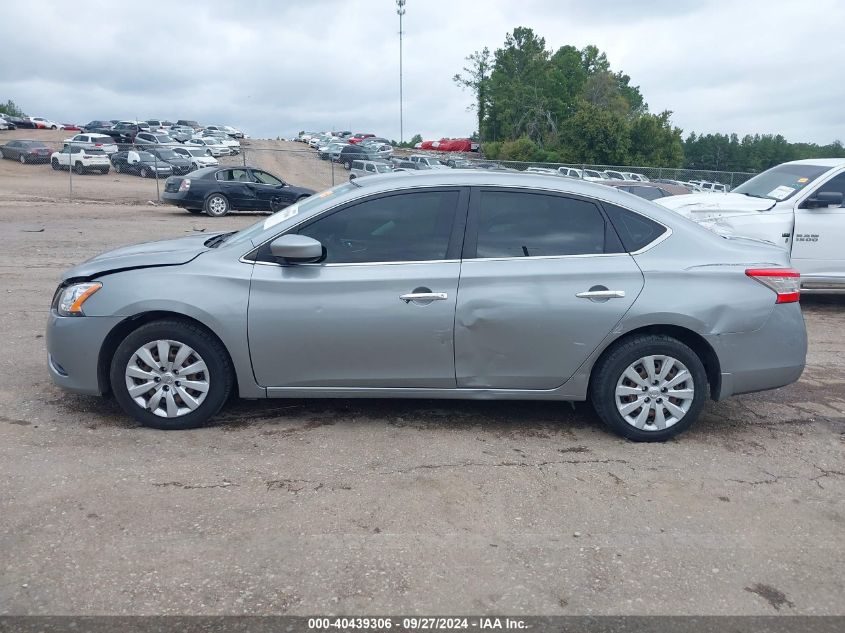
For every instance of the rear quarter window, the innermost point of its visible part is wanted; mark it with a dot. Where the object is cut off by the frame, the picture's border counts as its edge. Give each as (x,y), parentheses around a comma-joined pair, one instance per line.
(635,231)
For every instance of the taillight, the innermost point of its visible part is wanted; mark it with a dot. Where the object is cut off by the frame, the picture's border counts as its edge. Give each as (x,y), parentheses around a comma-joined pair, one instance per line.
(784,282)
(185,184)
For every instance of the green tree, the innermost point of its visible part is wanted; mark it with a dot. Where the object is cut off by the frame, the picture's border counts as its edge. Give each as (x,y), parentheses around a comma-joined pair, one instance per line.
(654,142)
(518,88)
(11,108)
(476,77)
(596,136)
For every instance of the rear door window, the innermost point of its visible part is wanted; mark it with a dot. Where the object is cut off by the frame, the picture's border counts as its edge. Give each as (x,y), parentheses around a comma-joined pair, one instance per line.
(521,224)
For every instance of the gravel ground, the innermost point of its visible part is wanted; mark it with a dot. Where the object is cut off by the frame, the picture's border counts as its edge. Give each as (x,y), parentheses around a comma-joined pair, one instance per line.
(305,507)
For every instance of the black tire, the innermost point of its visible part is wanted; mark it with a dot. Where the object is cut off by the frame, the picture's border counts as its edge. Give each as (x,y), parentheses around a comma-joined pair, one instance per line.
(219,202)
(220,372)
(78,168)
(54,163)
(619,358)
(53,127)
(352,177)
(347,164)
(22,159)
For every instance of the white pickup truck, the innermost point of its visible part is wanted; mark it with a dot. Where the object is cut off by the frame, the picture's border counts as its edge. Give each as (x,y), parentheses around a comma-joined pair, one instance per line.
(798,205)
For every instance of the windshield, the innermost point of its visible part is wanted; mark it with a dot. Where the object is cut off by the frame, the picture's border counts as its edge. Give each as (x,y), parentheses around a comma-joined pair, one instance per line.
(167,154)
(163,138)
(382,169)
(781,182)
(288,212)
(196,152)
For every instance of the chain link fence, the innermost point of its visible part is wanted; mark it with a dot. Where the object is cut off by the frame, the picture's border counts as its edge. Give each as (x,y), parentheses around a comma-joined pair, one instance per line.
(135,173)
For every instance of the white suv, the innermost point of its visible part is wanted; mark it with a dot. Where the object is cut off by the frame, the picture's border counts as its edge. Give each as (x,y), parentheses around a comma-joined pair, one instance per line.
(93,141)
(81,159)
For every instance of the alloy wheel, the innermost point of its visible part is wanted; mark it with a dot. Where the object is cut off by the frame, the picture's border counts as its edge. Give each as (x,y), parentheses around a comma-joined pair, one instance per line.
(654,393)
(217,205)
(167,378)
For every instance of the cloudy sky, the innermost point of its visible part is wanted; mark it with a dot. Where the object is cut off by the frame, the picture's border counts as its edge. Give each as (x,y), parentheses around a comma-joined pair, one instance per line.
(273,67)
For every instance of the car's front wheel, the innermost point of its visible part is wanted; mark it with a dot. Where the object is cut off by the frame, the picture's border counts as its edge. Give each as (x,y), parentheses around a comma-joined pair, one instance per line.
(144,172)
(22,159)
(78,168)
(649,388)
(54,163)
(217,205)
(171,375)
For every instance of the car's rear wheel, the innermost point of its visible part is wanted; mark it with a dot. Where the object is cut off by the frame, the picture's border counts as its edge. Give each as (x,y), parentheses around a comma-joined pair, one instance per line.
(171,375)
(217,205)
(118,168)
(54,163)
(144,172)
(649,388)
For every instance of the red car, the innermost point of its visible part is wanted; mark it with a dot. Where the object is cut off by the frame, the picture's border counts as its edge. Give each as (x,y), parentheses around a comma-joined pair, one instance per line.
(358,138)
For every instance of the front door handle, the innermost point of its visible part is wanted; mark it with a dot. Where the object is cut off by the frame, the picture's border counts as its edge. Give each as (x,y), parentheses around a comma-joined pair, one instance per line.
(601,294)
(423,296)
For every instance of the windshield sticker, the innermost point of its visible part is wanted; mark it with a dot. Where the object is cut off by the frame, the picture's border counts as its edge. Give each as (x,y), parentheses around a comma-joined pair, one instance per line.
(281,216)
(779,193)
(803,180)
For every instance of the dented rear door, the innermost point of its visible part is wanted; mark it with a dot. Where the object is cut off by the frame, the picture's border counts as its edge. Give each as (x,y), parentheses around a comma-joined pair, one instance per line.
(538,290)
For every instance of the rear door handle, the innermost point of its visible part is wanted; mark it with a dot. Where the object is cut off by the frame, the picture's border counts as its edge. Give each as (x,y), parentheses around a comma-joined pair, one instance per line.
(423,296)
(601,294)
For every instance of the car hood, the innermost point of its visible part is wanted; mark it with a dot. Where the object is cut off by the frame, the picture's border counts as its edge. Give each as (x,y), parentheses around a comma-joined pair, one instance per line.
(703,206)
(149,254)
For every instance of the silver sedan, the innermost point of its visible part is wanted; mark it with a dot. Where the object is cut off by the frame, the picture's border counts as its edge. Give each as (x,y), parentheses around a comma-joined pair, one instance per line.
(446,284)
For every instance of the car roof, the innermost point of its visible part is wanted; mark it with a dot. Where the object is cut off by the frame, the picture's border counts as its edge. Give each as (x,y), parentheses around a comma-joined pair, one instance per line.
(520,180)
(822,162)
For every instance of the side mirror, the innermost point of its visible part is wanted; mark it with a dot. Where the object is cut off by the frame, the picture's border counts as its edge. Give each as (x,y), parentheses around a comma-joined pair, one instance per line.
(296,248)
(825,199)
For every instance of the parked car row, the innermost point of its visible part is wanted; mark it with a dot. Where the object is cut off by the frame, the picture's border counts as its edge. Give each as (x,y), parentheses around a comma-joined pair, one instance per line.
(88,153)
(345,147)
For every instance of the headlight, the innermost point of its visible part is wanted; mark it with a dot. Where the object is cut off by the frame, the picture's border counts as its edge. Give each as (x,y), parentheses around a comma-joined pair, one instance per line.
(71,298)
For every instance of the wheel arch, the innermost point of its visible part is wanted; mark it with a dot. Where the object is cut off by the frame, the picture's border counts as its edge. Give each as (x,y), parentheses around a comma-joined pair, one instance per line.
(688,337)
(130,324)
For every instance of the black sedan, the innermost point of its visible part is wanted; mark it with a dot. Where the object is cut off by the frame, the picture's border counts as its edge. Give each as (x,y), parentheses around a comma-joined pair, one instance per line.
(26,151)
(218,190)
(20,122)
(179,163)
(142,164)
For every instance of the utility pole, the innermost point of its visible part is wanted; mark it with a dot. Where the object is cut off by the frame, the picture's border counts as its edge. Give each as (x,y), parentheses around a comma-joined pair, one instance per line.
(400,10)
